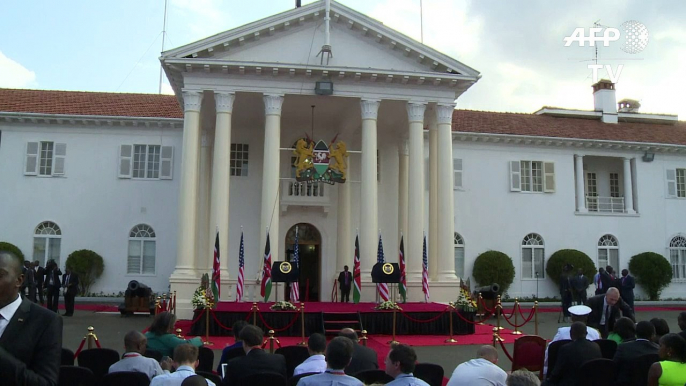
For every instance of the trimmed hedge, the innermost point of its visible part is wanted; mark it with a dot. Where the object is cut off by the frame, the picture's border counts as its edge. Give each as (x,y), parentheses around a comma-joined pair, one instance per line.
(12,248)
(494,267)
(88,265)
(578,259)
(652,271)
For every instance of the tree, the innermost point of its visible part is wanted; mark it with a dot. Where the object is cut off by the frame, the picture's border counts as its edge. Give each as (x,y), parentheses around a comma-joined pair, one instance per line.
(578,259)
(652,271)
(494,267)
(88,265)
(5,246)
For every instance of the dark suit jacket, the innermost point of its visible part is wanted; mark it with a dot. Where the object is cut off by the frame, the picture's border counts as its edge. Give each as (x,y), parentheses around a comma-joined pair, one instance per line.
(341,279)
(570,357)
(55,273)
(627,352)
(73,285)
(580,283)
(31,347)
(683,334)
(596,304)
(40,275)
(257,361)
(627,288)
(364,358)
(607,281)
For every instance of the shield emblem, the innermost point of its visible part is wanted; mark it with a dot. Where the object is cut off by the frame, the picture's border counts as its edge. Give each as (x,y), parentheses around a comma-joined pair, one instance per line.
(321,157)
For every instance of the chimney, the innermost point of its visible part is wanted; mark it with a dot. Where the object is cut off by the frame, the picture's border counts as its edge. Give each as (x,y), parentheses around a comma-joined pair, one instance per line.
(605,100)
(629,105)
(297,3)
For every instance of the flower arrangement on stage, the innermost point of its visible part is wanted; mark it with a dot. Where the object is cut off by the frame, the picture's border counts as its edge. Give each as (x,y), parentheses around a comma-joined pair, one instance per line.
(465,301)
(283,306)
(202,297)
(388,305)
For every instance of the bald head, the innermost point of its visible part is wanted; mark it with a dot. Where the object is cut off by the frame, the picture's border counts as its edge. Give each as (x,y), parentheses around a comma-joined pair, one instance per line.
(349,333)
(489,353)
(612,296)
(135,341)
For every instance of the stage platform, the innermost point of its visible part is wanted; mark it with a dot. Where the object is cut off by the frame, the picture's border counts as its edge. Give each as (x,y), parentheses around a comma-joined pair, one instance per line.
(414,319)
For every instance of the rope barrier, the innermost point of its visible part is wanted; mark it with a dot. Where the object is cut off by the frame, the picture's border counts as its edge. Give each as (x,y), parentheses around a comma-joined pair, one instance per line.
(198,318)
(214,316)
(97,343)
(483,304)
(259,313)
(467,320)
(424,321)
(525,321)
(78,351)
(533,309)
(507,354)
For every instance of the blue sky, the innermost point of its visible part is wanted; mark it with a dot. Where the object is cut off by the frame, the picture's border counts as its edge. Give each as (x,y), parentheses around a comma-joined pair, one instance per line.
(517,45)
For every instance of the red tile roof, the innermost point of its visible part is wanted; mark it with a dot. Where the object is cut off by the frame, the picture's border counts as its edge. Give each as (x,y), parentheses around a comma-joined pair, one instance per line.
(90,103)
(576,128)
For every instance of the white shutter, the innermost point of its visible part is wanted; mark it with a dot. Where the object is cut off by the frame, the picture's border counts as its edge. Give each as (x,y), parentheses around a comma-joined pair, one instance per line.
(515,176)
(167,163)
(59,156)
(671,183)
(31,160)
(457,173)
(549,177)
(125,158)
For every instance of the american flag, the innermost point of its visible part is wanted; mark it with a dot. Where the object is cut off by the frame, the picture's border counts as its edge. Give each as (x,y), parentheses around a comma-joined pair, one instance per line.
(241,273)
(295,286)
(425,273)
(381,287)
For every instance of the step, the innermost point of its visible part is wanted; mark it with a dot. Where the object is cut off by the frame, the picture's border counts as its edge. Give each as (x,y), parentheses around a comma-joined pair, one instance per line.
(342,321)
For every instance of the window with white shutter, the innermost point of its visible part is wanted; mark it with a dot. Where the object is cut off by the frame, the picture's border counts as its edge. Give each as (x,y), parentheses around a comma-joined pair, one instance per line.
(125,157)
(681,183)
(146,162)
(515,176)
(45,159)
(31,160)
(532,176)
(457,173)
(59,158)
(167,163)
(671,183)
(548,177)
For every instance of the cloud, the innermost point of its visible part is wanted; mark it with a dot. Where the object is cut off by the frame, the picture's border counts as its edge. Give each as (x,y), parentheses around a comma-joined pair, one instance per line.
(167,89)
(14,75)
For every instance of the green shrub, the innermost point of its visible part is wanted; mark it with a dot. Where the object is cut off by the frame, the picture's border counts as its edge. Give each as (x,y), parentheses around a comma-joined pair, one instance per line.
(652,271)
(578,259)
(12,248)
(494,267)
(88,265)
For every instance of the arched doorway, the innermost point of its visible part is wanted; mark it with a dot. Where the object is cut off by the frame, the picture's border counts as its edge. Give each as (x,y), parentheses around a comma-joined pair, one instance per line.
(309,256)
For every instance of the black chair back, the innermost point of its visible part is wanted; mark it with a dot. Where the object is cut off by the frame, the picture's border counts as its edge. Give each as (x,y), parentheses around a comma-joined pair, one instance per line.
(156,355)
(373,376)
(75,376)
(211,376)
(598,372)
(640,367)
(608,347)
(67,357)
(206,359)
(293,381)
(295,355)
(259,379)
(98,360)
(429,373)
(126,378)
(553,348)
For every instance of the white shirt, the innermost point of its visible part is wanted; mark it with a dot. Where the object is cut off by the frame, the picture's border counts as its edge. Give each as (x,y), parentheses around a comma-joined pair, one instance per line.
(478,372)
(7,312)
(406,380)
(563,333)
(176,378)
(313,364)
(139,363)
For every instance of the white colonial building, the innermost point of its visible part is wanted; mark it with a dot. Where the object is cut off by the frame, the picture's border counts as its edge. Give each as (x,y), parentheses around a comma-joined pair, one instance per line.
(147,180)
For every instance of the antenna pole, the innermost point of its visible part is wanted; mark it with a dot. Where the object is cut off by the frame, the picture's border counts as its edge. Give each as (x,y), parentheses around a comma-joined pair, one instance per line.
(421,21)
(164,34)
(312,122)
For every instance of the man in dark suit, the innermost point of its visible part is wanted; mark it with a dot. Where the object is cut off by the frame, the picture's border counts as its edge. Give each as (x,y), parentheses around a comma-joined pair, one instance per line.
(40,276)
(53,284)
(255,360)
(605,310)
(580,284)
(626,291)
(345,280)
(571,356)
(364,358)
(71,288)
(30,335)
(627,352)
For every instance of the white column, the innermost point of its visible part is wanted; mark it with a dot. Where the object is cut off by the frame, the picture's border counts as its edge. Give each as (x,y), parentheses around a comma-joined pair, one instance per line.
(403,185)
(580,195)
(221,176)
(270,175)
(432,238)
(415,217)
(369,212)
(203,257)
(345,242)
(628,188)
(446,216)
(188,185)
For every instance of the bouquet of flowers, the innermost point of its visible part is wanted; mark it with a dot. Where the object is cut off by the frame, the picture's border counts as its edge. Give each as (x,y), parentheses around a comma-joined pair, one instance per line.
(465,301)
(283,306)
(199,299)
(388,305)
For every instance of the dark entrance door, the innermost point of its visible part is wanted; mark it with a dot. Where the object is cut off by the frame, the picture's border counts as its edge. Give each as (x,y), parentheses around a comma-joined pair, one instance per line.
(309,259)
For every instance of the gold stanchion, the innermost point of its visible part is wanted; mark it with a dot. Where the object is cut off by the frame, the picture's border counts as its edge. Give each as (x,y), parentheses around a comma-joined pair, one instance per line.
(178,333)
(254,310)
(395,311)
(174,310)
(514,311)
(302,325)
(271,341)
(495,335)
(498,311)
(208,308)
(91,338)
(536,317)
(480,312)
(364,338)
(452,309)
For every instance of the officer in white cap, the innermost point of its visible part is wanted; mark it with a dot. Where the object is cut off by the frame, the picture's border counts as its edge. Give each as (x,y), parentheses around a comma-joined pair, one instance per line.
(579,314)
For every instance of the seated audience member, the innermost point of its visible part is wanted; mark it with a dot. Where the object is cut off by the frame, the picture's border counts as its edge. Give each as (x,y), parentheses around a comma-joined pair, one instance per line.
(316,363)
(607,306)
(624,331)
(571,356)
(133,359)
(671,370)
(627,352)
(236,329)
(400,363)
(364,358)
(255,360)
(339,353)
(661,328)
(579,314)
(194,380)
(523,378)
(483,370)
(161,336)
(185,361)
(682,324)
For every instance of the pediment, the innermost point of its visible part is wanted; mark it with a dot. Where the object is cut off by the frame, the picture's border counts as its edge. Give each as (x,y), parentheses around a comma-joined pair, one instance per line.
(295,37)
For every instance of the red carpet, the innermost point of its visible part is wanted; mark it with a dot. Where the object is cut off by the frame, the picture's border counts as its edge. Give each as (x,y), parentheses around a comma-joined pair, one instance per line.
(331,307)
